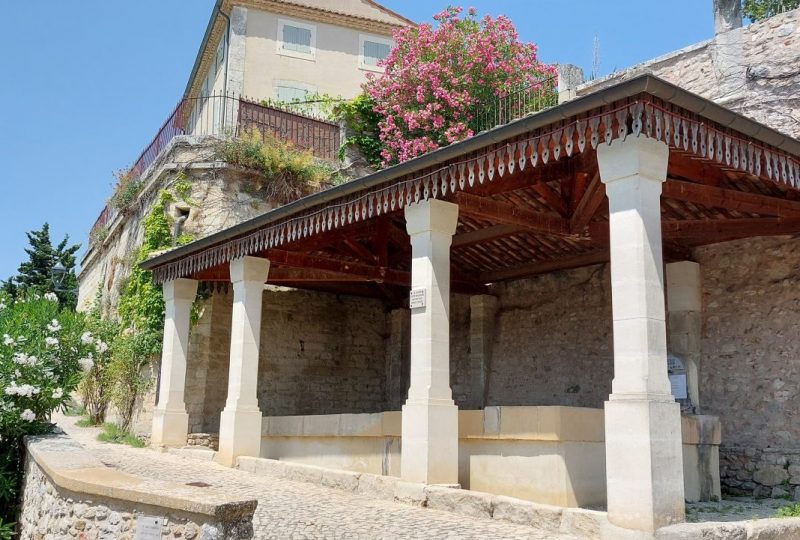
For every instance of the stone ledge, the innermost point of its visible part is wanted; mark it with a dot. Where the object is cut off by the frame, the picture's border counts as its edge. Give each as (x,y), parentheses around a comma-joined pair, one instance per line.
(762,529)
(71,468)
(448,499)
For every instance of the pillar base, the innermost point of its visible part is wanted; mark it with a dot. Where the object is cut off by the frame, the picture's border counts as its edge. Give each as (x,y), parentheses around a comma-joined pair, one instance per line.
(170,428)
(239,435)
(644,463)
(430,443)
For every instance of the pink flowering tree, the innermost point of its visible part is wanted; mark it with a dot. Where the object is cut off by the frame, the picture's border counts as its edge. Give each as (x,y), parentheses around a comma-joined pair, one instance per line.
(437,78)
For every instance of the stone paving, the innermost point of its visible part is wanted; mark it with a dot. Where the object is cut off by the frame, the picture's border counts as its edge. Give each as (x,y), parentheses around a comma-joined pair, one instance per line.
(297,510)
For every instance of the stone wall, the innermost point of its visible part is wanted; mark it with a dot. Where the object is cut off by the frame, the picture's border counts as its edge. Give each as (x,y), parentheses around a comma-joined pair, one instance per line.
(320,354)
(68,493)
(753,70)
(553,342)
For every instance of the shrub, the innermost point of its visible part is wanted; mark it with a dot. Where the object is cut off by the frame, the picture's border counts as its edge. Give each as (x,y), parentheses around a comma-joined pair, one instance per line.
(286,172)
(361,121)
(42,353)
(97,383)
(436,77)
(125,192)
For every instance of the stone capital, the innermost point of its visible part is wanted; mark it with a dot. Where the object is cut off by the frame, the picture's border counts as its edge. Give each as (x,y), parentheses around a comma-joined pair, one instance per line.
(635,157)
(431,216)
(180,289)
(249,269)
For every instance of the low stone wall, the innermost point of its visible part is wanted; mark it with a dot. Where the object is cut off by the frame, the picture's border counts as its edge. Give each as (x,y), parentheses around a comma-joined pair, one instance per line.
(577,521)
(550,455)
(70,493)
(771,472)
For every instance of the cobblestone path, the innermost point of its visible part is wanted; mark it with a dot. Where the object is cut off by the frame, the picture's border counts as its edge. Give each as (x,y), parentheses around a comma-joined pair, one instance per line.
(298,510)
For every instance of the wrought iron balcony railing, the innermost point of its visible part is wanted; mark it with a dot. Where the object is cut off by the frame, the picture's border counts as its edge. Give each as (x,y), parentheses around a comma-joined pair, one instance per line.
(225,116)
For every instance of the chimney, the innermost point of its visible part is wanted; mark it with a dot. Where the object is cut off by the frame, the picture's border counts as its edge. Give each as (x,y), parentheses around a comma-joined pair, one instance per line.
(727,15)
(569,77)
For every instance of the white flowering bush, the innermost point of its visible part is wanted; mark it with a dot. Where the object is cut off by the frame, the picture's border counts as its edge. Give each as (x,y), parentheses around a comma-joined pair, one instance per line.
(96,387)
(43,351)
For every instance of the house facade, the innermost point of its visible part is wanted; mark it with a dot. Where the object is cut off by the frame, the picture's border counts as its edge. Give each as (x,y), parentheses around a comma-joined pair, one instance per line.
(284,50)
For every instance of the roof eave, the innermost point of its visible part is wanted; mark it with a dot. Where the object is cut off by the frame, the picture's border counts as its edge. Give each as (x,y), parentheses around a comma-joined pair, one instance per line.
(646,83)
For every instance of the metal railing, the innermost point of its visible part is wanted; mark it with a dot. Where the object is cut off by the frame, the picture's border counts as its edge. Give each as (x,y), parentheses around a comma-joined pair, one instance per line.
(515,104)
(226,116)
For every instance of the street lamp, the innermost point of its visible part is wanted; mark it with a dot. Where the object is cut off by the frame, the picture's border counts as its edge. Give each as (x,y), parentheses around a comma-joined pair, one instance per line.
(59,272)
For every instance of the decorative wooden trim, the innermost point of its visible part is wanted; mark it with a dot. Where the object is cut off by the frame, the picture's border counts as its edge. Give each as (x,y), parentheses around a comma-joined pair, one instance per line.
(645,117)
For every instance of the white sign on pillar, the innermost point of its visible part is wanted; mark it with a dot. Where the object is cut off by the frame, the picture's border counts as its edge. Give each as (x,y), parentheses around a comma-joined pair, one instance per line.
(416,299)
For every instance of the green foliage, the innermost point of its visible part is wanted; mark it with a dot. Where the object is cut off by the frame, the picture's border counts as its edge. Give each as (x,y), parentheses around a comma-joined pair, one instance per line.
(361,122)
(126,190)
(286,172)
(36,274)
(757,10)
(113,434)
(42,352)
(182,187)
(6,530)
(141,313)
(789,511)
(85,421)
(314,104)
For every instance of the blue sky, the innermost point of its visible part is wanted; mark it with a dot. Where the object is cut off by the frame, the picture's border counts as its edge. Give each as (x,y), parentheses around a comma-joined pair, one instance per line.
(87,84)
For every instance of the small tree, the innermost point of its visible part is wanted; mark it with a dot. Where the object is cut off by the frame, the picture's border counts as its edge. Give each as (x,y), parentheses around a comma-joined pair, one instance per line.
(36,274)
(43,349)
(436,77)
(96,387)
(757,10)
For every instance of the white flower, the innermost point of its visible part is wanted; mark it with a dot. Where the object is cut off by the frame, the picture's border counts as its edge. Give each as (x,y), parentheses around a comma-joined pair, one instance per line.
(28,415)
(8,340)
(24,360)
(51,341)
(58,393)
(54,326)
(2,305)
(102,347)
(86,338)
(21,339)
(86,364)
(25,390)
(51,297)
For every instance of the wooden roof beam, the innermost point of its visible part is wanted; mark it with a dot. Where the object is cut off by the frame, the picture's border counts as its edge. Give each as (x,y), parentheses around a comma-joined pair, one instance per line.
(730,199)
(508,214)
(486,234)
(589,205)
(544,267)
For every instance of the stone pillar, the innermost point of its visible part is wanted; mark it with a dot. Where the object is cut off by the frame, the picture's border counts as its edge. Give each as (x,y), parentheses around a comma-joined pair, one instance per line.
(397,354)
(170,419)
(240,421)
(684,307)
(430,417)
(644,462)
(482,310)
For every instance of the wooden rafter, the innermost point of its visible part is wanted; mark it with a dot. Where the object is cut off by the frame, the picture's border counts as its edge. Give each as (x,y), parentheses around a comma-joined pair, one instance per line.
(732,200)
(588,205)
(543,267)
(509,214)
(479,236)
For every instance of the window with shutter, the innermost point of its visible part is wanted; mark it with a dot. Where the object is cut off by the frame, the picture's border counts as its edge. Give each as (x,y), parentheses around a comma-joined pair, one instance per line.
(296,39)
(372,49)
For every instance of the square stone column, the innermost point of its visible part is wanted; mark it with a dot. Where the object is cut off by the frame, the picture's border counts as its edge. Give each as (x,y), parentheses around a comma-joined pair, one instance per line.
(684,308)
(644,461)
(240,421)
(170,420)
(482,311)
(430,417)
